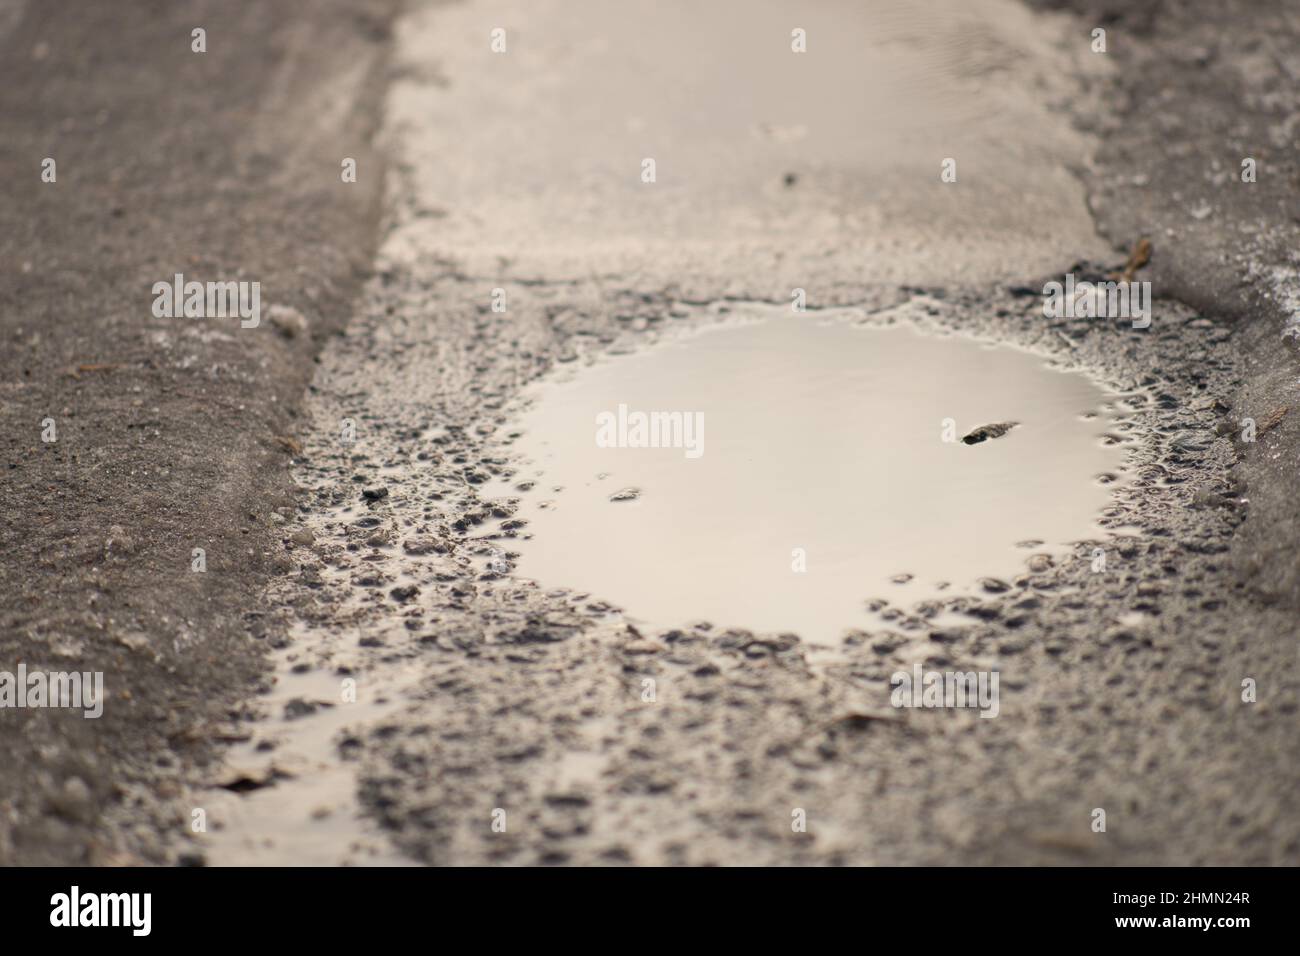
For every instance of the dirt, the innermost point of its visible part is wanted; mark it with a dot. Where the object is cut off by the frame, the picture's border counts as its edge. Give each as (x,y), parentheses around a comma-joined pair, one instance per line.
(1200,88)
(171,434)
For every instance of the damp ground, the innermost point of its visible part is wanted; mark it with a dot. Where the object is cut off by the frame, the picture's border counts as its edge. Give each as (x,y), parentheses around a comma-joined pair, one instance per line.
(808,466)
(533,720)
(287,795)
(480,690)
(1121,683)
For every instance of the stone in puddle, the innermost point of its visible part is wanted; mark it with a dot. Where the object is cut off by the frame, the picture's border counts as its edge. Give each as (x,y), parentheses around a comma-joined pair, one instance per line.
(404,593)
(301,707)
(985,432)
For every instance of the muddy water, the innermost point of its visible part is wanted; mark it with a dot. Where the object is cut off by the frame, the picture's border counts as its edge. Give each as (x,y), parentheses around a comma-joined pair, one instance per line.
(818,465)
(286,799)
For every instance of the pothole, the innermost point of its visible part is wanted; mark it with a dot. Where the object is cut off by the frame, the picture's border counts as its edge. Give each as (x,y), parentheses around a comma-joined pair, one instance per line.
(781,470)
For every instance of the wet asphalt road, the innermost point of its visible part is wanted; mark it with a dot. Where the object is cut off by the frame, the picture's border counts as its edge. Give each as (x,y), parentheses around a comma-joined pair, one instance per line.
(477,693)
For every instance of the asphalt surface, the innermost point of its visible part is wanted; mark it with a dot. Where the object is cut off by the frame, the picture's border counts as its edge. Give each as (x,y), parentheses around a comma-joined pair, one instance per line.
(220,165)
(1121,689)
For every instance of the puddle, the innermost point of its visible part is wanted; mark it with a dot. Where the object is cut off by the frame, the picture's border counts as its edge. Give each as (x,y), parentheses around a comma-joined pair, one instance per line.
(816,477)
(286,797)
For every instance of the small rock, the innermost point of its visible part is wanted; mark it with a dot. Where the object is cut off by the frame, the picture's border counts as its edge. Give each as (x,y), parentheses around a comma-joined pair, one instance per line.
(418,546)
(288,321)
(119,540)
(985,432)
(303,538)
(404,592)
(374,494)
(626,494)
(134,640)
(298,707)
(74,801)
(1206,497)
(243,779)
(641,647)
